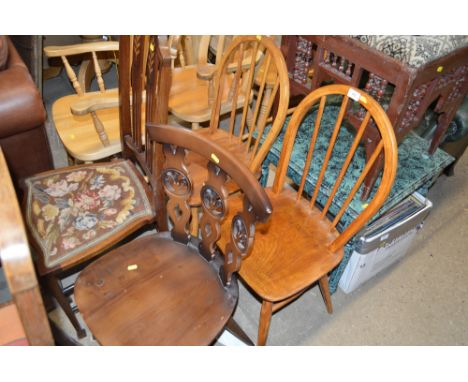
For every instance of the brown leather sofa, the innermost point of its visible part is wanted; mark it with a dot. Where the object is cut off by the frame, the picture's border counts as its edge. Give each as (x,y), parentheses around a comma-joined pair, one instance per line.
(22,115)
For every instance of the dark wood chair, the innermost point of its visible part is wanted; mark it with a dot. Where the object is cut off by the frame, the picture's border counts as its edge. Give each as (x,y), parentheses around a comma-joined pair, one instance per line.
(76,213)
(170,288)
(301,243)
(23,319)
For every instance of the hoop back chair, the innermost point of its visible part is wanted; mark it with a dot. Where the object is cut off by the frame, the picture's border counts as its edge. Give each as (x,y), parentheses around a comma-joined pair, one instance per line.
(93,136)
(170,288)
(331,171)
(244,132)
(76,213)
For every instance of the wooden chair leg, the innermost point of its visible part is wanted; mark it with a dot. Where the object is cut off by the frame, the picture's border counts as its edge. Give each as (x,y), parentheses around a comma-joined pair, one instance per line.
(195,126)
(264,325)
(54,286)
(233,327)
(323,284)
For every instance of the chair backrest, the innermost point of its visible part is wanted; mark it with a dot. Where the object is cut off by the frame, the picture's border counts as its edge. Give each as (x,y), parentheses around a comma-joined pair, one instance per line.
(90,50)
(144,85)
(238,77)
(222,166)
(329,155)
(19,271)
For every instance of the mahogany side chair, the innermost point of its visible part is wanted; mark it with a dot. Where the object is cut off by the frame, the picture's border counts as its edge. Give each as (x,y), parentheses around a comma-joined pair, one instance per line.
(171,288)
(76,213)
(280,270)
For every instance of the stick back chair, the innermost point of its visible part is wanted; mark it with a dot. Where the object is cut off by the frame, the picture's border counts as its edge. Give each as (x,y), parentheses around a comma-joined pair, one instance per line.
(170,288)
(244,132)
(76,213)
(280,270)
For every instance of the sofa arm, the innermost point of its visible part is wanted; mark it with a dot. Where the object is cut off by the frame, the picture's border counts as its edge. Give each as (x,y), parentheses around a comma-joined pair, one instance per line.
(21,107)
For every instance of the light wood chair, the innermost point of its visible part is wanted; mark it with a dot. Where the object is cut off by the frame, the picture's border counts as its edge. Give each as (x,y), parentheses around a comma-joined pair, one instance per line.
(170,288)
(193,91)
(94,136)
(301,244)
(23,320)
(79,212)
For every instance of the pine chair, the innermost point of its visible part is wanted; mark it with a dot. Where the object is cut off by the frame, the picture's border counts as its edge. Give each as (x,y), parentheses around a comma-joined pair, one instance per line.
(193,92)
(96,135)
(171,288)
(76,213)
(280,270)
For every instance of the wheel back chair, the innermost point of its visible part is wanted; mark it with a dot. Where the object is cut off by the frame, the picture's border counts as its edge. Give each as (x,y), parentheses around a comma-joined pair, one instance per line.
(76,213)
(308,212)
(170,288)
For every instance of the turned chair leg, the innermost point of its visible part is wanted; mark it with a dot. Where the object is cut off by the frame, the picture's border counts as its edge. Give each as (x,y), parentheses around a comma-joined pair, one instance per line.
(54,286)
(264,325)
(323,284)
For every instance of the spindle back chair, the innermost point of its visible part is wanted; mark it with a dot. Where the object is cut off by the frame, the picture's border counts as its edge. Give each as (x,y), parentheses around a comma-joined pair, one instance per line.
(94,136)
(328,170)
(185,287)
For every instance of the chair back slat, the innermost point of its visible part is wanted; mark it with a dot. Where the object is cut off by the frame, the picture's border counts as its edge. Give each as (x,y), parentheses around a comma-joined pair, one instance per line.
(72,76)
(140,45)
(97,70)
(222,166)
(358,183)
(313,140)
(144,85)
(248,90)
(332,156)
(235,88)
(331,146)
(349,157)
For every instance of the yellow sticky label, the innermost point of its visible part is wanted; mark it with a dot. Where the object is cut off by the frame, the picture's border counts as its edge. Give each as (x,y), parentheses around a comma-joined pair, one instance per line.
(72,136)
(365,205)
(363,99)
(259,38)
(214,158)
(132,267)
(440,69)
(152,47)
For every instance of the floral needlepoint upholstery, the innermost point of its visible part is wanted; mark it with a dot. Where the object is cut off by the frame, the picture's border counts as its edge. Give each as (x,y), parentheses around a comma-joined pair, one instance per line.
(74,209)
(414,50)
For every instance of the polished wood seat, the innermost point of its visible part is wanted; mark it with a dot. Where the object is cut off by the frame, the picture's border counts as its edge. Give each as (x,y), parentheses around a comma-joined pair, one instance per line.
(306,234)
(158,295)
(171,288)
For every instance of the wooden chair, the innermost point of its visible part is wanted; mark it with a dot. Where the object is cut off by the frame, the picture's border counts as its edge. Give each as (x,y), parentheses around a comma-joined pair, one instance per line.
(170,288)
(193,91)
(96,135)
(78,212)
(23,320)
(280,270)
